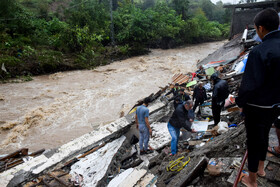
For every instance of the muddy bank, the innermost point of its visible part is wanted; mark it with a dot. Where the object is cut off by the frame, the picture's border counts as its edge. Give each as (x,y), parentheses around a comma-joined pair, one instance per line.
(53,109)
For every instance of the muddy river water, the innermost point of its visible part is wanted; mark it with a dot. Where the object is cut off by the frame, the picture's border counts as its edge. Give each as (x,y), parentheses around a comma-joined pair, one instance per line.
(54,109)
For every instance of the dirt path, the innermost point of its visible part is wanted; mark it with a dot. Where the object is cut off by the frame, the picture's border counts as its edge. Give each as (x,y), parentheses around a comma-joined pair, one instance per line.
(52,110)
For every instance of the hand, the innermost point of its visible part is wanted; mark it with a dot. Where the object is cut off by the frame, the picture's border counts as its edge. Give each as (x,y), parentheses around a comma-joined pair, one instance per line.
(240,110)
(150,131)
(191,120)
(193,131)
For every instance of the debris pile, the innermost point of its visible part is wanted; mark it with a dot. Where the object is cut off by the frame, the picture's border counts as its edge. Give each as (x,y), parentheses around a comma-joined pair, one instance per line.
(209,157)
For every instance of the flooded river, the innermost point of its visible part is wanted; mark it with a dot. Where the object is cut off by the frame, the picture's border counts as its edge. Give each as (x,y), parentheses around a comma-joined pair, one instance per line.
(54,109)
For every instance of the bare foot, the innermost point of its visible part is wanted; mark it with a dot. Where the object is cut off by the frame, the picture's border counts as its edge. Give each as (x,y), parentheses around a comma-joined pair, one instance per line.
(261,173)
(246,181)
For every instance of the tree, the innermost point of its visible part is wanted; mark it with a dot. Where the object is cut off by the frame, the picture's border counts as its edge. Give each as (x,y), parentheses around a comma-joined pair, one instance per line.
(181,7)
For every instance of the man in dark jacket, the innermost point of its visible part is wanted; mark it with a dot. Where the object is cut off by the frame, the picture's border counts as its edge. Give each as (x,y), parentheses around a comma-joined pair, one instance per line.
(259,92)
(181,117)
(199,95)
(180,98)
(174,90)
(220,93)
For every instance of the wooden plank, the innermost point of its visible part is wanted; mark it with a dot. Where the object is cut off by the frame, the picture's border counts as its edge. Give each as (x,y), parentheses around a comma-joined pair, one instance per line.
(182,78)
(21,152)
(58,180)
(91,151)
(175,76)
(186,79)
(179,77)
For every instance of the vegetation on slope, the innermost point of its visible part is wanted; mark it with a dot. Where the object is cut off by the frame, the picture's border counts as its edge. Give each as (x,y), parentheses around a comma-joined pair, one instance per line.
(44,36)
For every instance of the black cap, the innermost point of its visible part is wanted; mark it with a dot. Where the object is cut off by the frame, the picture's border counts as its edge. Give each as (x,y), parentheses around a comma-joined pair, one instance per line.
(177,84)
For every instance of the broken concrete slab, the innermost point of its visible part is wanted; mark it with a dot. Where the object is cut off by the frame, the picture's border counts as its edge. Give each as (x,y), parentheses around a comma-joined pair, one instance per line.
(161,136)
(51,158)
(195,167)
(129,177)
(94,166)
(149,180)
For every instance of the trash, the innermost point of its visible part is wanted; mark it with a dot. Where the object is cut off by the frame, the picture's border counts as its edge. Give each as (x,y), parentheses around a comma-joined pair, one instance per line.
(207,86)
(223,165)
(200,145)
(191,83)
(223,127)
(206,110)
(210,71)
(199,136)
(237,146)
(229,101)
(200,126)
(214,168)
(177,165)
(232,125)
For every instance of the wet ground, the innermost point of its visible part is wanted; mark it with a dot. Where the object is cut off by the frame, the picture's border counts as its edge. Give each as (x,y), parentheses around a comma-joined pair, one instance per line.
(54,109)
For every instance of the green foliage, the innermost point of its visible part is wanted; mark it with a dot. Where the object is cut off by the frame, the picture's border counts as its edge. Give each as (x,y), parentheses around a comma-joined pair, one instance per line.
(91,14)
(181,7)
(137,26)
(199,29)
(35,41)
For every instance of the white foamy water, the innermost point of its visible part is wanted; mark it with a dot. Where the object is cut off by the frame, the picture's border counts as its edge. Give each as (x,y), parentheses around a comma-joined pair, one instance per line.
(54,109)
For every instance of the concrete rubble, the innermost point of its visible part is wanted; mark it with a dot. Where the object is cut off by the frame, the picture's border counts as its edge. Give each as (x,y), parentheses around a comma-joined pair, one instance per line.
(109,156)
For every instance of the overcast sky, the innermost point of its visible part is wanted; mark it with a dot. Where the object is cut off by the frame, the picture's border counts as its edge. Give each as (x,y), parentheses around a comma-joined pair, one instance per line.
(226,1)
(229,1)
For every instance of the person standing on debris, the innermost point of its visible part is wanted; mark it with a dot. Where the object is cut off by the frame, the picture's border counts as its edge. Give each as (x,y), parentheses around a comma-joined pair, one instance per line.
(174,90)
(144,127)
(220,93)
(199,95)
(180,98)
(200,73)
(181,118)
(258,94)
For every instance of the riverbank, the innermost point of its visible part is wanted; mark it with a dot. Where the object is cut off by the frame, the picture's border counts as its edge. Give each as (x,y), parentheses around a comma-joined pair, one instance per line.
(77,102)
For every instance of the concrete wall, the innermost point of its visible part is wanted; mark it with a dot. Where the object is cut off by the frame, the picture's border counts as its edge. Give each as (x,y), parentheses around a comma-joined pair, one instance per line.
(244,14)
(241,19)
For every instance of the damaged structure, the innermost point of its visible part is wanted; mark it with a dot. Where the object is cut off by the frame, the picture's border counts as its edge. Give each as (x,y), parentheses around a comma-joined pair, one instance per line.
(243,14)
(109,156)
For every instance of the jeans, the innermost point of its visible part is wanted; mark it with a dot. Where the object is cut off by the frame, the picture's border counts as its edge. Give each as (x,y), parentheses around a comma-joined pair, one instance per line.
(144,137)
(175,133)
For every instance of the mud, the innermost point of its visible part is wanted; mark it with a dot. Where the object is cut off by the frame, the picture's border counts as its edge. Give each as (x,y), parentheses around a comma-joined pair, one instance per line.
(54,109)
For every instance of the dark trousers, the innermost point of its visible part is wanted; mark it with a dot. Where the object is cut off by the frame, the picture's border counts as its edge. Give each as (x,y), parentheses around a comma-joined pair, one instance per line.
(216,111)
(197,103)
(258,122)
